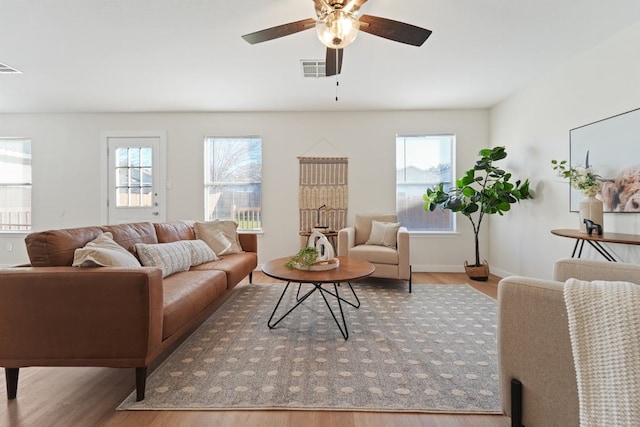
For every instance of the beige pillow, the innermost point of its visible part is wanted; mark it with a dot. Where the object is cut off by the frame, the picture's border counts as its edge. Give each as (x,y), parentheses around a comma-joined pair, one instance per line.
(170,257)
(383,233)
(221,236)
(103,251)
(200,251)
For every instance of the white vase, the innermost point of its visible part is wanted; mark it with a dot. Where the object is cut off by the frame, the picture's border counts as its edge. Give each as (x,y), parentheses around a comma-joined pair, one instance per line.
(591,209)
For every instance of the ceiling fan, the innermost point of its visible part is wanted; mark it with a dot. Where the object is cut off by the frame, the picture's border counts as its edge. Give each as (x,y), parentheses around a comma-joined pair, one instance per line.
(337,25)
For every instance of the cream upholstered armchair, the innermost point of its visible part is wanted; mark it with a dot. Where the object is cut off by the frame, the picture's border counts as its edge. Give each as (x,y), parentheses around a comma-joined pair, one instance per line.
(382,241)
(537,371)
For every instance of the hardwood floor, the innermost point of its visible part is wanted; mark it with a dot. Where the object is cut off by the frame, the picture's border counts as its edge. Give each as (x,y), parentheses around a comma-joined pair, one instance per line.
(89,396)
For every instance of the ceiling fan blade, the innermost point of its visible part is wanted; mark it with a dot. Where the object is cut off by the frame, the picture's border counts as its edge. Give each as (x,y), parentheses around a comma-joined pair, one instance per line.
(394,30)
(333,62)
(279,31)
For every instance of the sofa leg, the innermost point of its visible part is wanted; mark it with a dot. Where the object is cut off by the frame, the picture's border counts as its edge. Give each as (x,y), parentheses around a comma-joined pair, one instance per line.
(250,277)
(141,382)
(410,274)
(11,375)
(516,403)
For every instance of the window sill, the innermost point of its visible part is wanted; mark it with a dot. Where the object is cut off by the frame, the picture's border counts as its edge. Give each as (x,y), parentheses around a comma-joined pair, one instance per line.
(16,233)
(435,234)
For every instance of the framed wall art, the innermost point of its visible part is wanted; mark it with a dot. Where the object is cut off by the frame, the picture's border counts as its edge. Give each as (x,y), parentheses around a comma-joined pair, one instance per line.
(611,147)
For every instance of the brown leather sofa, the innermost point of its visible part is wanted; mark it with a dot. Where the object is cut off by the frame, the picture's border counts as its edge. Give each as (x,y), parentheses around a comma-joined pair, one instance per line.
(53,314)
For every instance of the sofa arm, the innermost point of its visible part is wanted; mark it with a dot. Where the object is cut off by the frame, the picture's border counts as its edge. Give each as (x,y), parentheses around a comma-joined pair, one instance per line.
(534,347)
(404,254)
(66,316)
(589,270)
(248,241)
(346,240)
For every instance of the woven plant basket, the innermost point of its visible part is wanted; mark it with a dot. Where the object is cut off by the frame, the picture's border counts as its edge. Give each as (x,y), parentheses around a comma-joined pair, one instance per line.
(477,272)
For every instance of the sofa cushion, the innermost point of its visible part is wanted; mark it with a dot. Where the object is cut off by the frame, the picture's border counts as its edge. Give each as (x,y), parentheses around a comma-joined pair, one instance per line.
(127,235)
(187,294)
(56,248)
(235,266)
(221,236)
(384,234)
(104,252)
(170,257)
(174,231)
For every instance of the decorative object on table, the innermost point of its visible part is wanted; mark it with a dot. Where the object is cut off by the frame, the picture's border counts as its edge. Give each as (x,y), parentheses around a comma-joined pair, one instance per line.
(319,226)
(484,190)
(318,255)
(323,246)
(592,226)
(583,178)
(591,209)
(614,151)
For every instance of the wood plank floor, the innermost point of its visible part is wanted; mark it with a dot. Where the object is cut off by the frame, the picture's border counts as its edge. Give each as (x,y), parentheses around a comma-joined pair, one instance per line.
(89,396)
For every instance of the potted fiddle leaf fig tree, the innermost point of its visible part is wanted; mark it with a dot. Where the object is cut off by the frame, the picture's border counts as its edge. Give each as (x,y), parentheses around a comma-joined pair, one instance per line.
(484,189)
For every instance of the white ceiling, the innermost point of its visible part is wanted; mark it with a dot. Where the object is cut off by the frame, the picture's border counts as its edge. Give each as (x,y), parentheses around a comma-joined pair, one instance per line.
(187,55)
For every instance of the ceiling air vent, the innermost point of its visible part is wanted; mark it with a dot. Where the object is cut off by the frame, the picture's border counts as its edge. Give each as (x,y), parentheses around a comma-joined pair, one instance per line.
(313,68)
(5,69)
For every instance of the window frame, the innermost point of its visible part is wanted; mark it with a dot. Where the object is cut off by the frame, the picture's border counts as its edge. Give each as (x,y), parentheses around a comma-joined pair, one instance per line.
(13,228)
(402,138)
(249,215)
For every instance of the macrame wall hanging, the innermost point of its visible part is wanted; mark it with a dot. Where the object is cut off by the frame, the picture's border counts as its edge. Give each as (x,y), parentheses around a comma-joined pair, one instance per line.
(323,195)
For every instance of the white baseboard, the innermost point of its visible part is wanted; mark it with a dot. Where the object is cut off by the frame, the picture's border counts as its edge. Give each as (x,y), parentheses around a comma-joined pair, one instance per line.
(426,268)
(500,273)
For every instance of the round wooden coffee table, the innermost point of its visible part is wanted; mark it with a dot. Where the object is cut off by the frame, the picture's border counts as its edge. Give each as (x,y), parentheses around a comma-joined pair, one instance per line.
(348,270)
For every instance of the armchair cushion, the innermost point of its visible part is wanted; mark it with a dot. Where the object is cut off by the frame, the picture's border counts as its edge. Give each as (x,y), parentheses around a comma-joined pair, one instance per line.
(364,223)
(376,254)
(384,233)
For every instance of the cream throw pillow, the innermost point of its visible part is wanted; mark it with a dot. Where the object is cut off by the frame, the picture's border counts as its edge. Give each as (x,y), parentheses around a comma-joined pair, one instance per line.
(383,233)
(200,251)
(170,257)
(103,251)
(221,236)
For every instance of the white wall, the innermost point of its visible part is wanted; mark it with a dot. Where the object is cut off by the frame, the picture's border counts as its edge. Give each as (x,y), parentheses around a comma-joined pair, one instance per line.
(66,172)
(534,125)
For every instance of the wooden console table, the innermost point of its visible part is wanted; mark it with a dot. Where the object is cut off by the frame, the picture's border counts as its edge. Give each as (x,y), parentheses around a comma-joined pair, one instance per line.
(596,241)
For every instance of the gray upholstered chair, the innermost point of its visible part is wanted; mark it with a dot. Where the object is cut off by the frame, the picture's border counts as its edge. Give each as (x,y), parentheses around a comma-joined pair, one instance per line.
(380,240)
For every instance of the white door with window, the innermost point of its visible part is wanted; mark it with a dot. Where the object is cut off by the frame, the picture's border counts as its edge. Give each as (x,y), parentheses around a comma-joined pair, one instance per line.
(135,176)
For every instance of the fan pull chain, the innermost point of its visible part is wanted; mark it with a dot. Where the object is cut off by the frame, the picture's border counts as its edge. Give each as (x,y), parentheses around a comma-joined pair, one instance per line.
(337,73)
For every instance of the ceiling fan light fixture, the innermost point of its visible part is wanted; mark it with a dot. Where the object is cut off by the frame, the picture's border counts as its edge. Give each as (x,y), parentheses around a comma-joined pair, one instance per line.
(337,29)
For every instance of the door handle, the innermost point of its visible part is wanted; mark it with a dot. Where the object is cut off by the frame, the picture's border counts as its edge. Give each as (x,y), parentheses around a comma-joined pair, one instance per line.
(155,213)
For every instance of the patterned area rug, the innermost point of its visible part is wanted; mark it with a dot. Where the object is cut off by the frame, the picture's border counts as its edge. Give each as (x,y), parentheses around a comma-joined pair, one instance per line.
(433,350)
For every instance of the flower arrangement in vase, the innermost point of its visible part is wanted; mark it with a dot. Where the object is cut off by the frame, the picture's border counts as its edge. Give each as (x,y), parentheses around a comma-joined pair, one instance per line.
(583,178)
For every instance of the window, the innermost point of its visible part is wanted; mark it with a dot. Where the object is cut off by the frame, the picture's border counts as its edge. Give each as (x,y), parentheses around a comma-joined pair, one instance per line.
(233,180)
(423,161)
(15,184)
(134,183)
